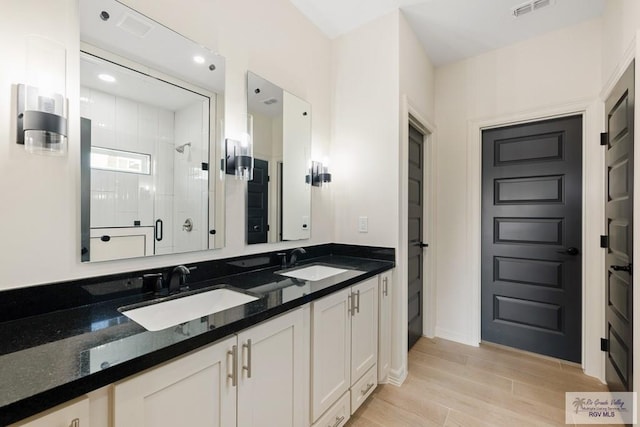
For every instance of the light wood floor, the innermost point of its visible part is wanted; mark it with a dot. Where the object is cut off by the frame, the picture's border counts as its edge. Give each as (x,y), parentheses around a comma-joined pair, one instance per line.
(451,384)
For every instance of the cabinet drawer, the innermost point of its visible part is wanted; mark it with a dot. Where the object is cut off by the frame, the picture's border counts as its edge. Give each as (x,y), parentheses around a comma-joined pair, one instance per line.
(337,415)
(363,388)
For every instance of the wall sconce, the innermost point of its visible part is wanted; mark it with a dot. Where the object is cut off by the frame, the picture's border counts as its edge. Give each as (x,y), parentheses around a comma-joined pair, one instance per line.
(239,159)
(319,174)
(42,121)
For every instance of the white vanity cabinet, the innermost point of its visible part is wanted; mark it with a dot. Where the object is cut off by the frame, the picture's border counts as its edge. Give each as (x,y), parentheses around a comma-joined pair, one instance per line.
(344,346)
(384,326)
(194,390)
(72,414)
(256,378)
(273,372)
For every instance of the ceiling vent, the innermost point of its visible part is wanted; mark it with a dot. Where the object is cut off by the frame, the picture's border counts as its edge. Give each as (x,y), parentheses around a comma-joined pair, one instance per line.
(135,25)
(530,6)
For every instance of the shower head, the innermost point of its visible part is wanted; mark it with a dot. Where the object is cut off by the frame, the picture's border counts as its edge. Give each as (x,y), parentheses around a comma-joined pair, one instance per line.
(180,148)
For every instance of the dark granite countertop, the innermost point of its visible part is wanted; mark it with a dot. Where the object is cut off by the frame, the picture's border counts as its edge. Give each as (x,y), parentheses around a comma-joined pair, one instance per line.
(50,358)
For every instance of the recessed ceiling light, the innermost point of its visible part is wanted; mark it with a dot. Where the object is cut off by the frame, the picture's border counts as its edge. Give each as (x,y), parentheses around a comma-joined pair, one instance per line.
(107,78)
(198,59)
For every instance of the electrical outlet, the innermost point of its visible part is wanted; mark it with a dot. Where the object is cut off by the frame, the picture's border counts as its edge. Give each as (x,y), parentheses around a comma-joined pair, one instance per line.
(363,224)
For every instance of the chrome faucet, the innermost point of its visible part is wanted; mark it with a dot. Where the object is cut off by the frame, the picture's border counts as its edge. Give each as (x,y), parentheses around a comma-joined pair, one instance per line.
(293,256)
(178,279)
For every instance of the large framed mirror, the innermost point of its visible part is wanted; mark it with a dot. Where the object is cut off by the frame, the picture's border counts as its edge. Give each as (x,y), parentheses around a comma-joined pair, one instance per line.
(279,195)
(151,144)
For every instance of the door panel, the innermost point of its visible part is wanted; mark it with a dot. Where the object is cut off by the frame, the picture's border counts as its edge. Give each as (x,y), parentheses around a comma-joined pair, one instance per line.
(364,328)
(415,229)
(331,350)
(619,109)
(258,203)
(532,235)
(273,361)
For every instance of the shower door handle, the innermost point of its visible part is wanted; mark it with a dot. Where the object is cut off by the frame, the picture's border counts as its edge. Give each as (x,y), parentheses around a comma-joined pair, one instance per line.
(159,230)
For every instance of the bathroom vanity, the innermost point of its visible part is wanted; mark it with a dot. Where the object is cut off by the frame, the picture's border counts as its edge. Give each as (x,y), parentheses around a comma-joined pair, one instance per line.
(268,355)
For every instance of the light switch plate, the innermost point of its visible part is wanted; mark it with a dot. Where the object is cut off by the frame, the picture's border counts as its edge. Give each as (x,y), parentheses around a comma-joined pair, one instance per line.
(363,224)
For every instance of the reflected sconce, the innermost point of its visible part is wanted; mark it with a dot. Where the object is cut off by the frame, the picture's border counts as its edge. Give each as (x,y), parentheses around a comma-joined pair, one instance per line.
(239,159)
(239,154)
(42,121)
(320,175)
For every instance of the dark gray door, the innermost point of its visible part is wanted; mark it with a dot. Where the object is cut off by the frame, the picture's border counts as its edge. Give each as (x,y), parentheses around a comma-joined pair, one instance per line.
(258,203)
(619,212)
(532,237)
(415,224)
(85,188)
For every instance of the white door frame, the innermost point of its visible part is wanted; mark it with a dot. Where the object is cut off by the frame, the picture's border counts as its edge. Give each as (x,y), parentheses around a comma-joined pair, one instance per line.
(410,114)
(592,218)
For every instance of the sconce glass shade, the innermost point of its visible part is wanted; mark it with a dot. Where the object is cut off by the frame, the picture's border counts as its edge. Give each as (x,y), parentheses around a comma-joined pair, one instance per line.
(320,175)
(45,142)
(239,154)
(239,159)
(42,121)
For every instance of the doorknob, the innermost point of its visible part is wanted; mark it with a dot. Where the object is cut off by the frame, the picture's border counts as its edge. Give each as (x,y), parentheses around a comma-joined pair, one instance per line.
(570,251)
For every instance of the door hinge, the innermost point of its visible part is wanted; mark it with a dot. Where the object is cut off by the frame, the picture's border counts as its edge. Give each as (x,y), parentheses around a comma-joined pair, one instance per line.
(268,178)
(205,166)
(604,138)
(604,242)
(268,227)
(604,344)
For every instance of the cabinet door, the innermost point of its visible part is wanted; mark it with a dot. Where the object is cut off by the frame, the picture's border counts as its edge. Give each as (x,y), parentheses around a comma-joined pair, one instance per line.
(193,390)
(364,328)
(273,368)
(384,326)
(75,414)
(330,350)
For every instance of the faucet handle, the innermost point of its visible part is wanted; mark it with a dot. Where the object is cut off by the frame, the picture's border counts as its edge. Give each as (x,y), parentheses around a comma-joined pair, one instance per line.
(283,259)
(152,282)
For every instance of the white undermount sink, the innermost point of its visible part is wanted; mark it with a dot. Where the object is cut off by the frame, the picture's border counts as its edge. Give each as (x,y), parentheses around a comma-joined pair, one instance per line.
(162,315)
(313,272)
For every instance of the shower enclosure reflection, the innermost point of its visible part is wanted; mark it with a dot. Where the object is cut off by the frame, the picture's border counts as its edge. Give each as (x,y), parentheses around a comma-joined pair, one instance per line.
(151,127)
(147,160)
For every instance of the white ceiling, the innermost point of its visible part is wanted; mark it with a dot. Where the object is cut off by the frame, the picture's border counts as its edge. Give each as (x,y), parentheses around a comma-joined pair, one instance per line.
(450,30)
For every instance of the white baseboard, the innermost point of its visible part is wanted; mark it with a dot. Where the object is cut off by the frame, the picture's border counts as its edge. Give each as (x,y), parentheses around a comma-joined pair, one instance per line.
(455,336)
(397,377)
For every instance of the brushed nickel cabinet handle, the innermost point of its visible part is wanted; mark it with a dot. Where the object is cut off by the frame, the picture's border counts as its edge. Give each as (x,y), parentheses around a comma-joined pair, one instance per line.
(247,368)
(358,301)
(385,287)
(75,423)
(338,421)
(234,365)
(350,304)
(367,388)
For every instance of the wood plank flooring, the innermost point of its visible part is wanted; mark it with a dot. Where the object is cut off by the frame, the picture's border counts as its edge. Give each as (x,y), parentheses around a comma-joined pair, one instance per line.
(452,384)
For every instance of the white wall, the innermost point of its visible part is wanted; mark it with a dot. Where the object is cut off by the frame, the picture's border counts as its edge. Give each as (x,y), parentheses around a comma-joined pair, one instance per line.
(556,73)
(41,220)
(417,74)
(620,22)
(377,69)
(364,150)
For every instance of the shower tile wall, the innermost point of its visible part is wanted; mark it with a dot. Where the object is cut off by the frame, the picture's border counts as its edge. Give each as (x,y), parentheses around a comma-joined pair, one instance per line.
(191,182)
(118,199)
